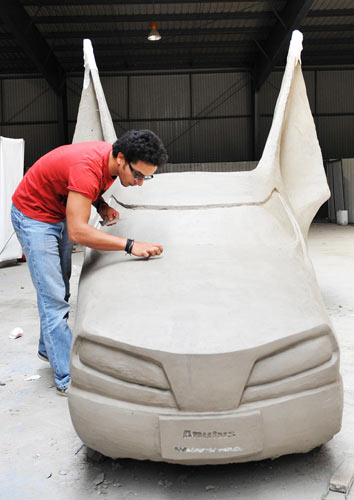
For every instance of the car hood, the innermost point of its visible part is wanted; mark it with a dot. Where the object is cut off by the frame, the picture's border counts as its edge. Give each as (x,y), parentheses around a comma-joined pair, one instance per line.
(235,272)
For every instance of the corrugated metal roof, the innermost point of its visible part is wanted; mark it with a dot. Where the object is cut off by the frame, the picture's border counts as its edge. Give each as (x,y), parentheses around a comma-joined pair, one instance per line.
(332,4)
(328,21)
(152,9)
(194,34)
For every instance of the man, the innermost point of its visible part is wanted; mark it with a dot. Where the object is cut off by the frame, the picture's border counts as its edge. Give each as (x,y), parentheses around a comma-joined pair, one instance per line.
(51,209)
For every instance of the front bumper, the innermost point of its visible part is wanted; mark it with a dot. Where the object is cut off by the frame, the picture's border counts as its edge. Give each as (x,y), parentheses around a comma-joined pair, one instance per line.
(290,424)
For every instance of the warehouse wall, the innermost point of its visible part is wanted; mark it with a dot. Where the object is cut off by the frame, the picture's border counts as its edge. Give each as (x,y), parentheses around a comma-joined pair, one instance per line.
(28,109)
(331,99)
(201,117)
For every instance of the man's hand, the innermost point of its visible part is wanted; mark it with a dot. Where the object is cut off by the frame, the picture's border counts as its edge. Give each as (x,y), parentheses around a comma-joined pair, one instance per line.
(144,249)
(78,210)
(108,214)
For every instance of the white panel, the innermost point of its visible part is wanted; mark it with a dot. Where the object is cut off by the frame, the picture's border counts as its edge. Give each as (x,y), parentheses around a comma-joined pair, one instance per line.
(348,185)
(11,172)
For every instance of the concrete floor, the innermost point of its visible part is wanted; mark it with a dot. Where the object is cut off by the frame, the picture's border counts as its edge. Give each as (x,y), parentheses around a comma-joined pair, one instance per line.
(42,457)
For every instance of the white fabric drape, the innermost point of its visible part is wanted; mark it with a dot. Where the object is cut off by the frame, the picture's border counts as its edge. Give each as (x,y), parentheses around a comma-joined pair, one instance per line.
(11,173)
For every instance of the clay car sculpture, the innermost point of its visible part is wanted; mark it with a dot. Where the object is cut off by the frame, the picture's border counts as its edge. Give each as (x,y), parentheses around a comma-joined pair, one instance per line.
(220,350)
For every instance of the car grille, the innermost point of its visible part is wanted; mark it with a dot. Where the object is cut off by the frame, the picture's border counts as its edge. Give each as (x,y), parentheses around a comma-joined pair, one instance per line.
(125,376)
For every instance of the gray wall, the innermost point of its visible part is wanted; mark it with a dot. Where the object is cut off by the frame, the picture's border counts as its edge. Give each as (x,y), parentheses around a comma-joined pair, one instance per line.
(28,109)
(201,117)
(331,97)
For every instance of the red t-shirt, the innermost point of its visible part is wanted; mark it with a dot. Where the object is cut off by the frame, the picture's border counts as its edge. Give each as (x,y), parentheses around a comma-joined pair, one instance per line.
(81,167)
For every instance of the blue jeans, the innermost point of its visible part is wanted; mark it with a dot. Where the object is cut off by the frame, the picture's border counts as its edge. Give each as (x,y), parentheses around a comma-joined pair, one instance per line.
(48,252)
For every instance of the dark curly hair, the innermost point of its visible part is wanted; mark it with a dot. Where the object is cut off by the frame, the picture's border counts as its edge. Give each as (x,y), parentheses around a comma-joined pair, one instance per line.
(141,145)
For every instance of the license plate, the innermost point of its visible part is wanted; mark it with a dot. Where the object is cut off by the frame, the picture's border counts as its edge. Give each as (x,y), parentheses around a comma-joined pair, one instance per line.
(216,437)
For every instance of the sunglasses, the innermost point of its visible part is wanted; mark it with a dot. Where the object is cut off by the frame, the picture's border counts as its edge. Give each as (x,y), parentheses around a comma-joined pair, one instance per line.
(139,176)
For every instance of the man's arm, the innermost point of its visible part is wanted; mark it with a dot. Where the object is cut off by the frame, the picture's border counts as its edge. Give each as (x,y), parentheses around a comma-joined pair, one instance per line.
(78,210)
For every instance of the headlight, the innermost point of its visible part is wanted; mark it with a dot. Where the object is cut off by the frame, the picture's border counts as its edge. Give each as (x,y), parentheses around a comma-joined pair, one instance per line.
(307,365)
(114,373)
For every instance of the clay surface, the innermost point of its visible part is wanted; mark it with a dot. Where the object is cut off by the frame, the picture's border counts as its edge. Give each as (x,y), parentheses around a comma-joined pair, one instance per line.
(221,349)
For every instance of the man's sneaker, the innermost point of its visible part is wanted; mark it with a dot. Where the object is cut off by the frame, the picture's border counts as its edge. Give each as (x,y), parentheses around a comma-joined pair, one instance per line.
(62,392)
(43,358)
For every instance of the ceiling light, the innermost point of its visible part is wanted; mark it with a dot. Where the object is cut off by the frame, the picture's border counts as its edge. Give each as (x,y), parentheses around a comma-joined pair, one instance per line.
(154,35)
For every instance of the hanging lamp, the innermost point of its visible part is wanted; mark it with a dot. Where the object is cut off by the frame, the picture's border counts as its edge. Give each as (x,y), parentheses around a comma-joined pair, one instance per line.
(154,35)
